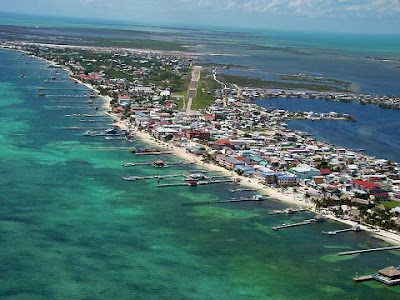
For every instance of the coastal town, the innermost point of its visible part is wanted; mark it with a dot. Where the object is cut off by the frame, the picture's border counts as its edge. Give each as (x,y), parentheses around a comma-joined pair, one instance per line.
(155,96)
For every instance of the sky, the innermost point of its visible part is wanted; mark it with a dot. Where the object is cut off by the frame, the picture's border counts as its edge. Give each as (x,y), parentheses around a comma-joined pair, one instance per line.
(369,16)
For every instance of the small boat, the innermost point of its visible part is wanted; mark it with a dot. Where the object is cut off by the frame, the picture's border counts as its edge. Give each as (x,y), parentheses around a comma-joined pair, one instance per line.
(195,177)
(145,150)
(89,133)
(329,232)
(114,138)
(111,131)
(289,211)
(319,218)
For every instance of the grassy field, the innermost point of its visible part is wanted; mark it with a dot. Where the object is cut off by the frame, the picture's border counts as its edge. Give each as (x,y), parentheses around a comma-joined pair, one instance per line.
(334,83)
(205,92)
(180,96)
(391,204)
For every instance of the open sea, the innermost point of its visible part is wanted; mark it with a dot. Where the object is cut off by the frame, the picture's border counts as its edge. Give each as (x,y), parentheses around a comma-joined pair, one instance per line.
(70,228)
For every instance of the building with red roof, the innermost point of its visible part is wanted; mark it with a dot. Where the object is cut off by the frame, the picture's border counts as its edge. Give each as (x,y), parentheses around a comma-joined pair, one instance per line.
(197,134)
(325,172)
(372,188)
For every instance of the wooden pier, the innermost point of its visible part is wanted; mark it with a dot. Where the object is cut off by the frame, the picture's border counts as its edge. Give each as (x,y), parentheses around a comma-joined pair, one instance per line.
(243,190)
(334,232)
(287,211)
(369,250)
(222,202)
(283,226)
(152,164)
(94,121)
(136,178)
(196,183)
(85,115)
(154,153)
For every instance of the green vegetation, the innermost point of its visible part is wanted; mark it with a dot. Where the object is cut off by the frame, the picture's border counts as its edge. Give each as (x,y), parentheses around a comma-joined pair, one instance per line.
(179,95)
(318,80)
(205,93)
(391,204)
(261,83)
(112,73)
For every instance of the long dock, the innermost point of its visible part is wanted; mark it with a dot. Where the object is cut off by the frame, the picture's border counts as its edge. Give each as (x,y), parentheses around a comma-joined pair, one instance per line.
(154,153)
(85,115)
(243,190)
(136,178)
(334,232)
(369,250)
(283,226)
(222,202)
(94,121)
(151,164)
(197,183)
(286,211)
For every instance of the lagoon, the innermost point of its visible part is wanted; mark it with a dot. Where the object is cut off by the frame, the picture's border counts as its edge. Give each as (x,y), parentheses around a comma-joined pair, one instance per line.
(376,129)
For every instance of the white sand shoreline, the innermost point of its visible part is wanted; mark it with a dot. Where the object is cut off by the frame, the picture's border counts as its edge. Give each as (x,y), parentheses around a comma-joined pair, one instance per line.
(389,237)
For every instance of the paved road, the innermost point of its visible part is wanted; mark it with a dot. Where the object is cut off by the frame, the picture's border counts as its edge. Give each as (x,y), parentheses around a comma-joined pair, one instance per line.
(224,100)
(193,87)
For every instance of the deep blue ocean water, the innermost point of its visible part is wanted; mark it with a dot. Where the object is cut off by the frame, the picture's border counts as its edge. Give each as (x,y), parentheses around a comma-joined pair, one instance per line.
(377,130)
(70,228)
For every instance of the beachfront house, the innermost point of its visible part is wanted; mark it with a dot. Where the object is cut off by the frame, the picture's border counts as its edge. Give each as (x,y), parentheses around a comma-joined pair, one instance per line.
(266,177)
(197,134)
(305,171)
(287,179)
(228,162)
(372,188)
(124,100)
(165,133)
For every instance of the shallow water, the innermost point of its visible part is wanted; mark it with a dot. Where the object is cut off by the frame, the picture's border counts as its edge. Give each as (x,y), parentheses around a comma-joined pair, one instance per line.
(70,228)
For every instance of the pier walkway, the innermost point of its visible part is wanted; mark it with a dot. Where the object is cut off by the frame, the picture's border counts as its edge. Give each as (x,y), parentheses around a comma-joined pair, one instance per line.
(369,250)
(283,226)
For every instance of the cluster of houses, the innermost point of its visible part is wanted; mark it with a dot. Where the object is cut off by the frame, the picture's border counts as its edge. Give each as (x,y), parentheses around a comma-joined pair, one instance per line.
(128,76)
(245,138)
(254,142)
(263,93)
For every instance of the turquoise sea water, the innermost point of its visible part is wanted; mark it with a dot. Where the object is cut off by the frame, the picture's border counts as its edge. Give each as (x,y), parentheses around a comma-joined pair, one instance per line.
(70,228)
